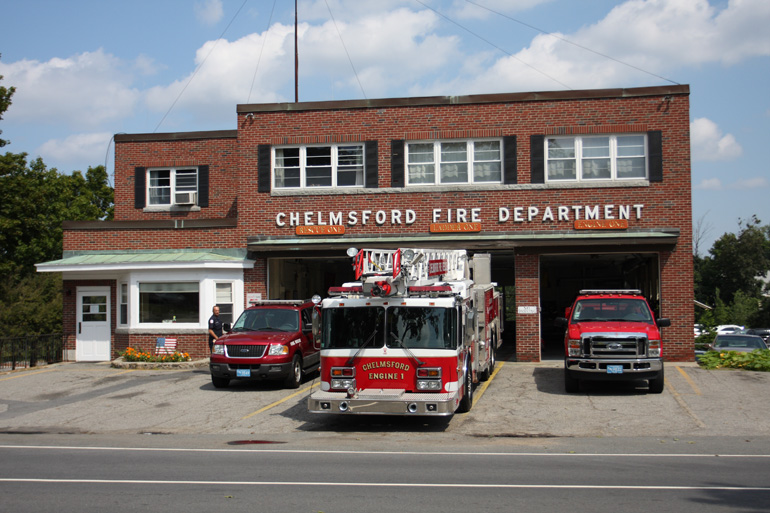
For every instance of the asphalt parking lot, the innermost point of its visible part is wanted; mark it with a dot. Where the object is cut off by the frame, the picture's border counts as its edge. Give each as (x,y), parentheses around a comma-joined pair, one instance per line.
(522,400)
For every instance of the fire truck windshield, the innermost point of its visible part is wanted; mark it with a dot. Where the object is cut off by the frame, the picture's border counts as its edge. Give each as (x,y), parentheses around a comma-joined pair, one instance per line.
(422,327)
(353,327)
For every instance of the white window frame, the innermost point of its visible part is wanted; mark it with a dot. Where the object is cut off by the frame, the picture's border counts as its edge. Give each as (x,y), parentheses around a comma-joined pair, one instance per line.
(304,166)
(578,157)
(175,173)
(123,295)
(438,163)
(220,303)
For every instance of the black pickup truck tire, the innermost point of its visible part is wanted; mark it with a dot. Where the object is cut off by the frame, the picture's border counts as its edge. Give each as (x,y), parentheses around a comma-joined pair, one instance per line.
(657,384)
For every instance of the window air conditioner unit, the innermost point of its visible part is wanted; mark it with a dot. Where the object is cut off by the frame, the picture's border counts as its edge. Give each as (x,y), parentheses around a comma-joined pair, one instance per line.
(184,198)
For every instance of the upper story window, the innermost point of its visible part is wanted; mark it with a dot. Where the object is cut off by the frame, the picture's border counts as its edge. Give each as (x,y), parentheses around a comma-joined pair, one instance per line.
(340,165)
(613,157)
(454,162)
(172,186)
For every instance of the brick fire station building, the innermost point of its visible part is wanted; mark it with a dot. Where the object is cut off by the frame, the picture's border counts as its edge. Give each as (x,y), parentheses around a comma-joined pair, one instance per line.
(565,189)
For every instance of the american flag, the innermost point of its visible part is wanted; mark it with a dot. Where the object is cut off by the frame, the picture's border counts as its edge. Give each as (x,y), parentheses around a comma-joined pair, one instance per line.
(165,346)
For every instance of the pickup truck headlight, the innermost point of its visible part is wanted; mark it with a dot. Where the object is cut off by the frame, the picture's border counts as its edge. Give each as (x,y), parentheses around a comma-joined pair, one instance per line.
(218,349)
(277,350)
(654,349)
(573,347)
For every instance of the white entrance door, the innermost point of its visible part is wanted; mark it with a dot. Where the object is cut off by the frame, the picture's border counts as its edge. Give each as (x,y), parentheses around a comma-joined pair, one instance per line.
(93,324)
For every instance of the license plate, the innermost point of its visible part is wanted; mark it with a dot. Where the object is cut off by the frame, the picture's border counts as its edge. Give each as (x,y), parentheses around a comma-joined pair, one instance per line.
(614,369)
(242,373)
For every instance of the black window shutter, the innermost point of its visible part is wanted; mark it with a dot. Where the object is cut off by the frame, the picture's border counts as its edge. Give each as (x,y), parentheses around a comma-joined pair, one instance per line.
(140,192)
(537,158)
(371,170)
(509,159)
(655,148)
(397,163)
(263,168)
(203,186)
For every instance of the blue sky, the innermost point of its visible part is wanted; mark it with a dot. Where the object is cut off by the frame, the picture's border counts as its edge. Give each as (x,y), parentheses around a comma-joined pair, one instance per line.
(87,69)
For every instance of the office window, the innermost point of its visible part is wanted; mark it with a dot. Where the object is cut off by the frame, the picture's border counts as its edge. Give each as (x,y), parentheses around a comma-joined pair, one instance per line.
(224,300)
(169,302)
(172,186)
(586,158)
(123,318)
(454,162)
(315,166)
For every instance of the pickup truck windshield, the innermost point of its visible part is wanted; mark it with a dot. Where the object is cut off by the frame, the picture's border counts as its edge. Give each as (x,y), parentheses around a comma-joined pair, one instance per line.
(268,319)
(611,309)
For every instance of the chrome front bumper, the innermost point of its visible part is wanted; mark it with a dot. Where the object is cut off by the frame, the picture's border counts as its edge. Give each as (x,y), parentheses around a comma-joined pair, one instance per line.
(632,367)
(386,402)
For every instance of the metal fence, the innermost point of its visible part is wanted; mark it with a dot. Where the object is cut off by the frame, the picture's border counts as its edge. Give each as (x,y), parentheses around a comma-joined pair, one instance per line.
(30,351)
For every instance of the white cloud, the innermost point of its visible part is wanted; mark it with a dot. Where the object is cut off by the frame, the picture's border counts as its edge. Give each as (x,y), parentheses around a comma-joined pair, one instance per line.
(707,142)
(76,148)
(710,184)
(82,91)
(759,182)
(208,12)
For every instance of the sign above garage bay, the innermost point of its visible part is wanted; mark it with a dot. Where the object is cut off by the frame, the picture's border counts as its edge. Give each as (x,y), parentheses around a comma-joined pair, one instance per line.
(608,216)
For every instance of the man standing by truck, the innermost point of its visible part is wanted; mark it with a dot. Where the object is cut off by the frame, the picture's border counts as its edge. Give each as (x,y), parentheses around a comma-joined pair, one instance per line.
(215,327)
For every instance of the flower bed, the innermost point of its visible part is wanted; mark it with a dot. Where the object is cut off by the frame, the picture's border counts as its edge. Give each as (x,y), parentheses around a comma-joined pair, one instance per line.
(132,355)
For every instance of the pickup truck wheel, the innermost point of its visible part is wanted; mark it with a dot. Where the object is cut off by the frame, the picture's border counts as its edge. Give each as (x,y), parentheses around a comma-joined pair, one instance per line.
(657,384)
(220,382)
(294,378)
(467,401)
(571,385)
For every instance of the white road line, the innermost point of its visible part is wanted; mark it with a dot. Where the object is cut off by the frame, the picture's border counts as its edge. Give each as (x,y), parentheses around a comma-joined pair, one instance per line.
(386,485)
(388,453)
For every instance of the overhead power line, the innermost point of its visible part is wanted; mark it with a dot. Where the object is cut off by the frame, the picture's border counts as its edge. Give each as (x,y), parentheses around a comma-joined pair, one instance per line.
(346,49)
(569,42)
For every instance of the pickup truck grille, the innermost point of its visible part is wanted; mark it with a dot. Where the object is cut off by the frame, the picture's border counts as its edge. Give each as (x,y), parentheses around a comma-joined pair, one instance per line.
(246,351)
(600,346)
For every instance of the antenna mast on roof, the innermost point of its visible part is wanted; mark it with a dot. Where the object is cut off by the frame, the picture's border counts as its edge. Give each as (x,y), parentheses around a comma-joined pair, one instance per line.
(296,57)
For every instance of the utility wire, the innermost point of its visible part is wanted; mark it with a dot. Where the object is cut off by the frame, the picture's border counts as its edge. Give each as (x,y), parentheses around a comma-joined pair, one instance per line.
(264,42)
(570,42)
(346,49)
(199,66)
(494,45)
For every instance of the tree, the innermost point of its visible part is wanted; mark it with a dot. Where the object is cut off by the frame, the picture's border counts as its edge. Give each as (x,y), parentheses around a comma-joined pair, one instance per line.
(734,264)
(5,102)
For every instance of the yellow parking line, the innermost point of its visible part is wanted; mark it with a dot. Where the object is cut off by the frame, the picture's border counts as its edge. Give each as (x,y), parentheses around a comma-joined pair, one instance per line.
(480,392)
(298,392)
(689,380)
(22,374)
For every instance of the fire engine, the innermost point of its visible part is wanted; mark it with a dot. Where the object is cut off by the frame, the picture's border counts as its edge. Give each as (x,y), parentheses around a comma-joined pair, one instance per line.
(411,336)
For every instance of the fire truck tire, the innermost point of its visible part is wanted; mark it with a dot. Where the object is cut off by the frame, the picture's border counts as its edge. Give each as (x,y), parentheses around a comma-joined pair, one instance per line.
(571,385)
(220,382)
(294,378)
(467,401)
(657,384)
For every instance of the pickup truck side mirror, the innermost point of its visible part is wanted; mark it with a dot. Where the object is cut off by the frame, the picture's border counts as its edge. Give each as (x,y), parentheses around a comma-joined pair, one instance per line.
(560,322)
(226,327)
(664,323)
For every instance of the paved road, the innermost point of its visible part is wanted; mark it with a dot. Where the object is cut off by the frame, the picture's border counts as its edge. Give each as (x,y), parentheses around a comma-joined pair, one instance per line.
(522,401)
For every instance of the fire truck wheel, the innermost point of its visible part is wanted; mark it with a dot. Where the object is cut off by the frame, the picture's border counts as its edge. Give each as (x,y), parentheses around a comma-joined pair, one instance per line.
(220,382)
(657,384)
(467,401)
(571,385)
(294,378)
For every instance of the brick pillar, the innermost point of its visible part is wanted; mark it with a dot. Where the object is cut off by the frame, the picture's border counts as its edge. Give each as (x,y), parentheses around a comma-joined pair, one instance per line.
(527,269)
(676,303)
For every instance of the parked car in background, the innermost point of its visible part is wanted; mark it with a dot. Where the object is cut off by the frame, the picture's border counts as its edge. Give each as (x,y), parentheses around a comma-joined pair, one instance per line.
(698,330)
(737,342)
(760,332)
(729,328)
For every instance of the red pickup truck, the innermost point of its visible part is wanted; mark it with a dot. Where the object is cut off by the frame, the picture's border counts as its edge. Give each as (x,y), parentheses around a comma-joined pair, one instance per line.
(270,340)
(612,335)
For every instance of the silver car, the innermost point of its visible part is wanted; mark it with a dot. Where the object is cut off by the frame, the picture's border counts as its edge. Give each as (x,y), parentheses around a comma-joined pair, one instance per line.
(738,342)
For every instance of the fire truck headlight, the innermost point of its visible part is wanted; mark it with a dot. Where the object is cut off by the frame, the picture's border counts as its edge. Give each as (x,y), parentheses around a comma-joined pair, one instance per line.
(343,384)
(573,347)
(429,379)
(429,385)
(278,349)
(653,349)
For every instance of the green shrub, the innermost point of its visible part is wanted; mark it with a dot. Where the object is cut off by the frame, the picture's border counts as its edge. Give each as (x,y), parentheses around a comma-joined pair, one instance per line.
(757,360)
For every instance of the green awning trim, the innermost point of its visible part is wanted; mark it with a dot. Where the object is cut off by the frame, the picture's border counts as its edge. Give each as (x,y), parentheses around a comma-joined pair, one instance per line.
(144,260)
